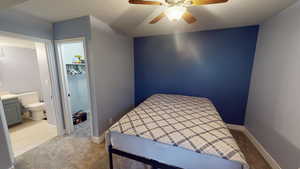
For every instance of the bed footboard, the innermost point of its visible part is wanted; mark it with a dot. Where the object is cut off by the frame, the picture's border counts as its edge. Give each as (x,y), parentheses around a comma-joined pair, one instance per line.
(154,164)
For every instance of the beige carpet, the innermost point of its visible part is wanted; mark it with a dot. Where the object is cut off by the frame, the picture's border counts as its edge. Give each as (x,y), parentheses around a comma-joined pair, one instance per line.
(65,153)
(30,134)
(80,153)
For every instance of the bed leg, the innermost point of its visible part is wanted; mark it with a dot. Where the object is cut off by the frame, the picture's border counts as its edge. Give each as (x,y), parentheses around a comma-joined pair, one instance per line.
(110,157)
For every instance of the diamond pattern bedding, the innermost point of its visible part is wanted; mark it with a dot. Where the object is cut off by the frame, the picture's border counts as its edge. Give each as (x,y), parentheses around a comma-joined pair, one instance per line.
(182,121)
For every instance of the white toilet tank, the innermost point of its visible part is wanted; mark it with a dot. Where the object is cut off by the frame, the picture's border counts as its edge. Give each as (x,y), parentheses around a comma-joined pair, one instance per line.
(29,98)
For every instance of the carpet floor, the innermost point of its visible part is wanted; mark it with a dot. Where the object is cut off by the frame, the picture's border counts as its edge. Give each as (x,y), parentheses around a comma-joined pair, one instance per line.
(73,152)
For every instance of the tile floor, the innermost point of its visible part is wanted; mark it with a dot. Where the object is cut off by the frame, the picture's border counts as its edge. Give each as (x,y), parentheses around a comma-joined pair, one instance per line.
(30,134)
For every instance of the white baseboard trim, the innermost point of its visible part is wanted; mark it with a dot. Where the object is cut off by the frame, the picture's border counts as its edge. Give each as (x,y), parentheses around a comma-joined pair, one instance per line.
(267,156)
(99,139)
(272,162)
(236,127)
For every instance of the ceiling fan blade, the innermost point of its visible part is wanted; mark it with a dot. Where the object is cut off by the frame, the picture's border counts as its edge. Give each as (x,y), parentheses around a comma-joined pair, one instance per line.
(141,2)
(158,18)
(205,2)
(188,17)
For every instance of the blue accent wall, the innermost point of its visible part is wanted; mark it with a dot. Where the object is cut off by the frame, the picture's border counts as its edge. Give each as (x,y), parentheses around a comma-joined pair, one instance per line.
(214,64)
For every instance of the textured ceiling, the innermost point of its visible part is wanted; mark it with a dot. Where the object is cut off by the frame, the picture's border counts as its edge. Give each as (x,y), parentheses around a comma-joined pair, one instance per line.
(133,19)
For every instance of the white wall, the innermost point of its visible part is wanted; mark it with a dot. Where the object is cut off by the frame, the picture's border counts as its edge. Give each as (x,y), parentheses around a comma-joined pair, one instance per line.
(19,70)
(14,21)
(73,28)
(110,60)
(273,113)
(112,74)
(69,50)
(1,58)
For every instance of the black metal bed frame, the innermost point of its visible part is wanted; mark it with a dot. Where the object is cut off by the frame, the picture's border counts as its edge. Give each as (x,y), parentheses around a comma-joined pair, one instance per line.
(154,164)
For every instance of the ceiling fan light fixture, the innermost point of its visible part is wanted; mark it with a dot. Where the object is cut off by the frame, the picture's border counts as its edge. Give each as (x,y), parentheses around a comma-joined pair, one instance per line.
(175,13)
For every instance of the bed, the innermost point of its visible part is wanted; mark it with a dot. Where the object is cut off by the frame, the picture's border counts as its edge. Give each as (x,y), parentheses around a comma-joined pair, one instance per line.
(174,132)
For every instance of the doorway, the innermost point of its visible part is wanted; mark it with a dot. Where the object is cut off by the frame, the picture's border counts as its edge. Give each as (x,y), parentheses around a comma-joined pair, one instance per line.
(27,93)
(75,86)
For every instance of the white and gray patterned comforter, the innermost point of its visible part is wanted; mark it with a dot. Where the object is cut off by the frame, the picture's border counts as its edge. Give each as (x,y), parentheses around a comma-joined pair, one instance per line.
(187,122)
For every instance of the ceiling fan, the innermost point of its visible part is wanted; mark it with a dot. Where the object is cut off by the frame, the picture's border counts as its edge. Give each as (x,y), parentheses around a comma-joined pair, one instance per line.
(176,9)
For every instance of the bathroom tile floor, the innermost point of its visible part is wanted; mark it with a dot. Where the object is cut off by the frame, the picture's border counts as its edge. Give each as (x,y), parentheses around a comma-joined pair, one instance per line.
(30,134)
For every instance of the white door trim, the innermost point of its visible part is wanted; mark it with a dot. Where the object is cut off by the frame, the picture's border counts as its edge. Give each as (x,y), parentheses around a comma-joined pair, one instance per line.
(56,99)
(64,84)
(6,133)
(64,89)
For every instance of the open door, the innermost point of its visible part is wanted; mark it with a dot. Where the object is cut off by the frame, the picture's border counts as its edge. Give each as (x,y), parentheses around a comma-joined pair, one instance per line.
(74,84)
(30,111)
(45,77)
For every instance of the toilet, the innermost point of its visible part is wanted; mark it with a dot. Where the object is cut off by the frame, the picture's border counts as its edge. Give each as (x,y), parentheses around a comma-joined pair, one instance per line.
(31,102)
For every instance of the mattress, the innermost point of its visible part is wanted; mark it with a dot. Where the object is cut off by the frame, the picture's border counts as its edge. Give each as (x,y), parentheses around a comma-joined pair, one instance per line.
(181,131)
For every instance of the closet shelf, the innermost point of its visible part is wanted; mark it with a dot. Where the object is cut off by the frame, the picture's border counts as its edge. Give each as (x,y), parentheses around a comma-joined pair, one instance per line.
(75,69)
(76,64)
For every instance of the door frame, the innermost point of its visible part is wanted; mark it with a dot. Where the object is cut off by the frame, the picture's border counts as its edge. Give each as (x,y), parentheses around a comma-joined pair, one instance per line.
(64,84)
(55,92)
(6,133)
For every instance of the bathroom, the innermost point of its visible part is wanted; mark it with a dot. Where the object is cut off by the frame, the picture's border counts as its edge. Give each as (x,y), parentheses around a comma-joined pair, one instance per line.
(25,92)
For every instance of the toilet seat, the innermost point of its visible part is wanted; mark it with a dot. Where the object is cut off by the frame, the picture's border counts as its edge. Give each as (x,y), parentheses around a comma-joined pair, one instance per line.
(32,103)
(35,105)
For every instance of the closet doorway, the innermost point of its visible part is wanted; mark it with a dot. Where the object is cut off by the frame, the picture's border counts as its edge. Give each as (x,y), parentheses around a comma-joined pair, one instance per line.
(75,86)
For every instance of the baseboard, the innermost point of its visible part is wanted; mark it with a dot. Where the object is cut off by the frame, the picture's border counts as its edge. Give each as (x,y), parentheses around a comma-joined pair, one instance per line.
(270,160)
(98,140)
(236,127)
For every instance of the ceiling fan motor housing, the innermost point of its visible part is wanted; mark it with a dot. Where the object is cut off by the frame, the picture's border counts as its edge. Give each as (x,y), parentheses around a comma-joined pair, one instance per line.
(172,1)
(178,2)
